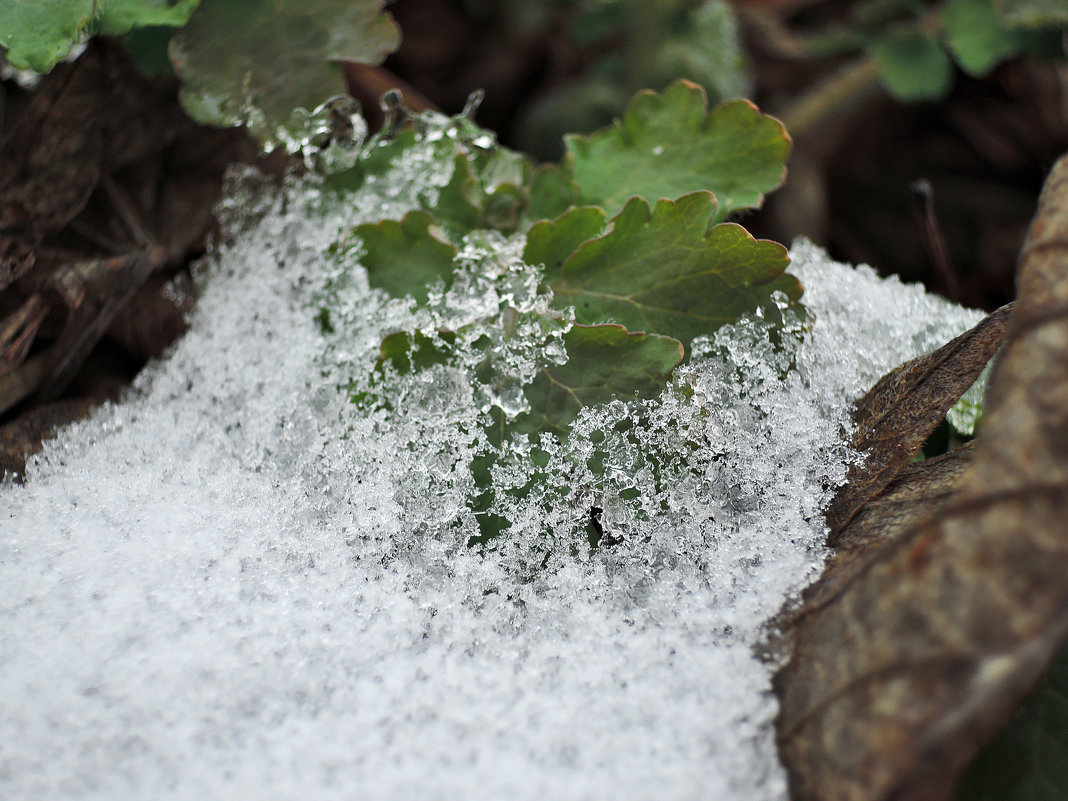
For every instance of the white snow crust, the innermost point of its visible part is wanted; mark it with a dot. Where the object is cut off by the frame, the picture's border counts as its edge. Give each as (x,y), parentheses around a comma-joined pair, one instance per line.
(236,584)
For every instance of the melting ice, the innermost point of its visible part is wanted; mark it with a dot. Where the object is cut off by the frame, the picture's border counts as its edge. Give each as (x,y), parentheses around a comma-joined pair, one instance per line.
(236,584)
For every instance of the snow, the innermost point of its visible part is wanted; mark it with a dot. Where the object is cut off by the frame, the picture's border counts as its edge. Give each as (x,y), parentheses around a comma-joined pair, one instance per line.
(236,584)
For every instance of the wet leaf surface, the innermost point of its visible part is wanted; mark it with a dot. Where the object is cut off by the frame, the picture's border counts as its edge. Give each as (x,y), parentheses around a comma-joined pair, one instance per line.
(273,56)
(905,663)
(670,145)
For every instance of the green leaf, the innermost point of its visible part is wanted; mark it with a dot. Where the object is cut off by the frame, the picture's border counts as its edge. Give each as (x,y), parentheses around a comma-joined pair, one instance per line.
(254,61)
(669,145)
(406,351)
(1032,13)
(976,36)
(148,50)
(121,16)
(406,257)
(459,202)
(670,270)
(604,362)
(914,65)
(1028,759)
(552,192)
(551,242)
(38,34)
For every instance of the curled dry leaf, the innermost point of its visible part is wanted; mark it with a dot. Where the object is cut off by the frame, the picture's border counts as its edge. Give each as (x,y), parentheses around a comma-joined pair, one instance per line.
(907,661)
(899,413)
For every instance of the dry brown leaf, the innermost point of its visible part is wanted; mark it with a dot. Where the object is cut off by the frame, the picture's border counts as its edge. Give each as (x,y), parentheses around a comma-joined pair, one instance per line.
(905,663)
(899,413)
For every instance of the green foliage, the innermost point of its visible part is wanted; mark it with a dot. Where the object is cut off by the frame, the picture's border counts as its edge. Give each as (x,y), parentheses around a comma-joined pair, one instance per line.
(117,17)
(635,273)
(669,145)
(1028,759)
(666,269)
(976,36)
(916,56)
(148,49)
(39,34)
(406,257)
(254,62)
(914,65)
(644,45)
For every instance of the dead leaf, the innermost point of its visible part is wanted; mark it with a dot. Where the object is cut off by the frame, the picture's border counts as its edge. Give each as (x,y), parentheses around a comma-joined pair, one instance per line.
(907,661)
(899,413)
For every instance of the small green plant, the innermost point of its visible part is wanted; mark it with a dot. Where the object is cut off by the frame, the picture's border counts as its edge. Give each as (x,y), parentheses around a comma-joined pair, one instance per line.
(625,243)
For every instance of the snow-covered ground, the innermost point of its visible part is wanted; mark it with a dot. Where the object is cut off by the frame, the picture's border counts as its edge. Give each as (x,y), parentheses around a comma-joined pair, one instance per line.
(235,584)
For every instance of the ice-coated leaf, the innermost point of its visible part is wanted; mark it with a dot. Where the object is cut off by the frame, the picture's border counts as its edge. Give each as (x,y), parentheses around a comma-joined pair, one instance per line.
(121,16)
(407,351)
(406,257)
(669,145)
(255,61)
(38,35)
(670,270)
(1032,13)
(604,362)
(914,66)
(976,36)
(551,242)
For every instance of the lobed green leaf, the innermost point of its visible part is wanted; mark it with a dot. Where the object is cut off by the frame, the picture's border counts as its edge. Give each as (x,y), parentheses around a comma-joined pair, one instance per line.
(669,145)
(406,257)
(668,269)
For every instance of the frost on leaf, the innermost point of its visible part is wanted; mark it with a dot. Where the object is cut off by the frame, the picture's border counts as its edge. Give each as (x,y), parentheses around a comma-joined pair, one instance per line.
(604,362)
(670,145)
(667,269)
(254,61)
(406,257)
